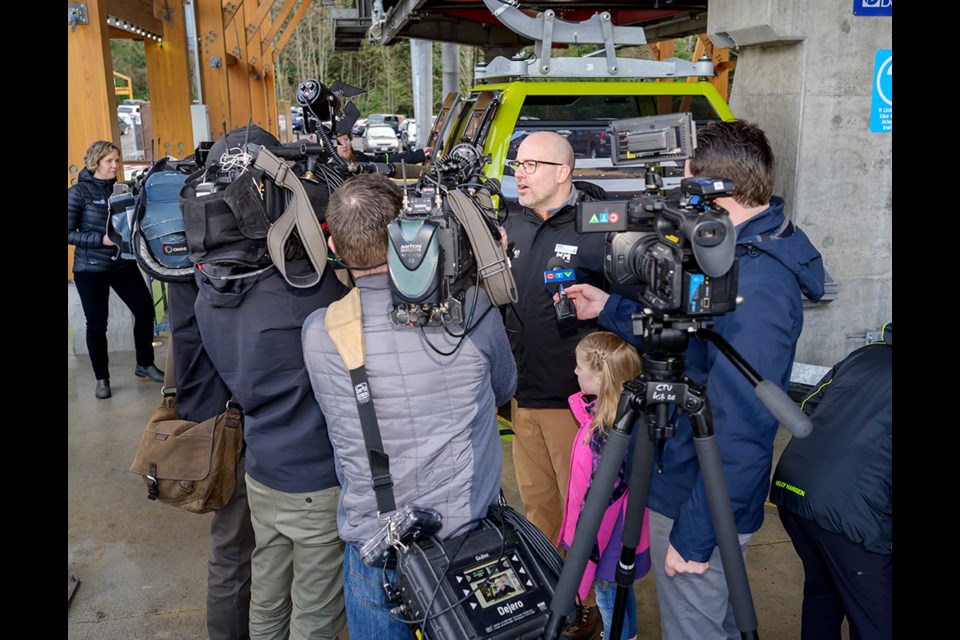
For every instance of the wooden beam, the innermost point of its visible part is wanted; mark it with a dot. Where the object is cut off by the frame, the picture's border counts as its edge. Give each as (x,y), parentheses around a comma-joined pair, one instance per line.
(138,12)
(661,51)
(213,65)
(262,12)
(238,75)
(168,77)
(278,21)
(259,111)
(292,25)
(721,67)
(91,101)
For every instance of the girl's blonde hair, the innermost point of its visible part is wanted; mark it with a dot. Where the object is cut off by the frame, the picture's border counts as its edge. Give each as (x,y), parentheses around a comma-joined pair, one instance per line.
(97,152)
(616,361)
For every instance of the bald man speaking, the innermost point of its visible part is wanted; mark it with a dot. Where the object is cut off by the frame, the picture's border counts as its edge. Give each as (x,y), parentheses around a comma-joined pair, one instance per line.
(545,237)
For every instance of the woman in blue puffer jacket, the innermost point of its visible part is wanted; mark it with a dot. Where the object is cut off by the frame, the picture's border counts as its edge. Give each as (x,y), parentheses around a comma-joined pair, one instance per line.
(98,267)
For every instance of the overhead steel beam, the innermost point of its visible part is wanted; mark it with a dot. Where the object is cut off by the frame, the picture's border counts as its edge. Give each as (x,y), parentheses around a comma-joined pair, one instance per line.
(398,18)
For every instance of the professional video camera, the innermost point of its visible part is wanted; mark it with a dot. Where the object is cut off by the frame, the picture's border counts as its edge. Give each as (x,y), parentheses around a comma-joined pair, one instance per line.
(446,239)
(682,247)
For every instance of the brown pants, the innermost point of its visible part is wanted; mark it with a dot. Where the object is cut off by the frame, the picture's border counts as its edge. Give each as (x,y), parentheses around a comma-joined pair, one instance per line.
(542,441)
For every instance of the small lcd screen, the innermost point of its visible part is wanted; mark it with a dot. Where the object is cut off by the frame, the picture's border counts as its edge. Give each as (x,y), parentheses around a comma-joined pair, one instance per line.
(494,582)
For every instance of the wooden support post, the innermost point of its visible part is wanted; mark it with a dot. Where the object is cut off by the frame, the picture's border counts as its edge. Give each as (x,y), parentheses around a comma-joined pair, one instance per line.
(721,65)
(661,51)
(238,74)
(286,129)
(167,76)
(256,70)
(213,65)
(91,102)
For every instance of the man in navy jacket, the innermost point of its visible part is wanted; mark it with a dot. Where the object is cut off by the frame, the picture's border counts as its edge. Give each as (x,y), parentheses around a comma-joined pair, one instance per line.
(776,264)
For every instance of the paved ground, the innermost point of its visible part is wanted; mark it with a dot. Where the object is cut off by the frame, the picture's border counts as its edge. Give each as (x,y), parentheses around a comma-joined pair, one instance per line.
(141,566)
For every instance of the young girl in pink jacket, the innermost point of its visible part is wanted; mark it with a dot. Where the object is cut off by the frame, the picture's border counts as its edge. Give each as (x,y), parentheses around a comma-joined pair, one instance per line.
(604,363)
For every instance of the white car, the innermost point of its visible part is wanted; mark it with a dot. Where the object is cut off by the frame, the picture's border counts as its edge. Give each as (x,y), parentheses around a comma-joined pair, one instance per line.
(408,133)
(126,122)
(380,138)
(132,111)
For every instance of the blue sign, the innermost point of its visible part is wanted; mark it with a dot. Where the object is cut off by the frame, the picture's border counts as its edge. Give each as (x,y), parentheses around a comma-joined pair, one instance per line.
(873,7)
(881,106)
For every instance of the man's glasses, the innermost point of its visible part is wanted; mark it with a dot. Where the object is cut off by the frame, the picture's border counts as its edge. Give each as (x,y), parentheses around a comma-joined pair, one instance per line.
(530,166)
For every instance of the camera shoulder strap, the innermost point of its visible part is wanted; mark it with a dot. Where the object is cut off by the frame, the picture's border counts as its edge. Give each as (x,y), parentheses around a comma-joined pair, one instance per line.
(491,258)
(344,324)
(299,217)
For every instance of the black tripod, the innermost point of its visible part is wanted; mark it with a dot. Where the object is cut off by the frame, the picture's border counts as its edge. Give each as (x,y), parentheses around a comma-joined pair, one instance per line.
(661,384)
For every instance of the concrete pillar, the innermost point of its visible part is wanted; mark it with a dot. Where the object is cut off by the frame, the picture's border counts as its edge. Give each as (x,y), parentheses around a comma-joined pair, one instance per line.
(450,58)
(805,74)
(421,62)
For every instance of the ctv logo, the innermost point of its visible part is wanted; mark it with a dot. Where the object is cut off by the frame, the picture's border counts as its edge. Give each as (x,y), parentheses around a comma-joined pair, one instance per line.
(558,276)
(604,217)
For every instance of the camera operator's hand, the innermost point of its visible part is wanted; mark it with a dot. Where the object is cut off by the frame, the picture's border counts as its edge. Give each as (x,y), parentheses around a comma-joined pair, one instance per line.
(675,564)
(587,299)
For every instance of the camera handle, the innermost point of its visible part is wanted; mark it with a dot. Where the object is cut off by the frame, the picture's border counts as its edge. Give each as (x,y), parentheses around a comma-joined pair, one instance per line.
(660,384)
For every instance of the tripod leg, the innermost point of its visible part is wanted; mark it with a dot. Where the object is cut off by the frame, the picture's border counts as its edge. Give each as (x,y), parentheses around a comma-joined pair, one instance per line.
(632,526)
(718,497)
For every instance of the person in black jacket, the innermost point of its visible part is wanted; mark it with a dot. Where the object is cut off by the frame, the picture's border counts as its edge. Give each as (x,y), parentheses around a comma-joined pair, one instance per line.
(98,267)
(545,238)
(410,156)
(834,493)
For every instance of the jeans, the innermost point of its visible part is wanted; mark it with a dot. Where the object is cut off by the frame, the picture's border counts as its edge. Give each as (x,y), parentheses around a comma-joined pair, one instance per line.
(368,611)
(606,595)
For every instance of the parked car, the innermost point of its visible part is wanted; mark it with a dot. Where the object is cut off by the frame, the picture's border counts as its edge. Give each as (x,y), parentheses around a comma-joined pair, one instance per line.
(131,110)
(359,127)
(296,119)
(408,132)
(379,138)
(391,119)
(125,122)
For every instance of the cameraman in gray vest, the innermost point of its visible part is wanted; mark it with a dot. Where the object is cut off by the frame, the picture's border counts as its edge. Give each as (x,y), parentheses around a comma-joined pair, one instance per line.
(435,391)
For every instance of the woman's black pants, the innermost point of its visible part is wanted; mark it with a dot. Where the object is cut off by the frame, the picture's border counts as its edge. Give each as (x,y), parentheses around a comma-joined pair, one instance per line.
(94,290)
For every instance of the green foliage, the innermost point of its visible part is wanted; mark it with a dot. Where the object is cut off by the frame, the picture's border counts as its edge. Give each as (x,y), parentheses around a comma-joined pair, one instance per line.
(384,72)
(130,60)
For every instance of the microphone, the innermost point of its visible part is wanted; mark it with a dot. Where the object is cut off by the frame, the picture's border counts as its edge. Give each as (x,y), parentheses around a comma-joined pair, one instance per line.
(558,275)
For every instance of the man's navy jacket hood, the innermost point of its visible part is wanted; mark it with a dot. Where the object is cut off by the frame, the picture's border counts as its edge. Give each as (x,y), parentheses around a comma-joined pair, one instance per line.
(772,233)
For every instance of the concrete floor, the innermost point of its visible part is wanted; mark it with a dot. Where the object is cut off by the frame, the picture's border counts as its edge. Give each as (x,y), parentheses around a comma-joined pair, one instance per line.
(137,569)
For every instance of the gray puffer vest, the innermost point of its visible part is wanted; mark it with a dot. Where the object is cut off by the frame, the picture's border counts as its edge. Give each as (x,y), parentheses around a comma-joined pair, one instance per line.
(436,413)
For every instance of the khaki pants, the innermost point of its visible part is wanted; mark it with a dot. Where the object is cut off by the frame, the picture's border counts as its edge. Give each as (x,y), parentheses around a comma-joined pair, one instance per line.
(296,590)
(542,441)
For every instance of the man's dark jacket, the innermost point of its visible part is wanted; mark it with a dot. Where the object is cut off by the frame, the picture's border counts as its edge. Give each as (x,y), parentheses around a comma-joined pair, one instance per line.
(841,475)
(544,350)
